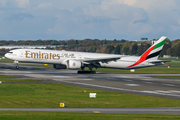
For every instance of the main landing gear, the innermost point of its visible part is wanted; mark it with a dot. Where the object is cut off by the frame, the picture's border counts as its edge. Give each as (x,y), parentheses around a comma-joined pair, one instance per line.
(86,72)
(82,71)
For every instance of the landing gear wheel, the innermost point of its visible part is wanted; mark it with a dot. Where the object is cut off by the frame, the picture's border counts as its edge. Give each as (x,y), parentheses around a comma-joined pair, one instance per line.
(86,72)
(16,62)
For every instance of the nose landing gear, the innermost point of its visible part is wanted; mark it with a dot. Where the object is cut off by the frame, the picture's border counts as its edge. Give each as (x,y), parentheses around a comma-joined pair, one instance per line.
(16,62)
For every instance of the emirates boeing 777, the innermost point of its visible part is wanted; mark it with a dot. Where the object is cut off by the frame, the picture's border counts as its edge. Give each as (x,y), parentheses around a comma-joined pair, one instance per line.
(62,59)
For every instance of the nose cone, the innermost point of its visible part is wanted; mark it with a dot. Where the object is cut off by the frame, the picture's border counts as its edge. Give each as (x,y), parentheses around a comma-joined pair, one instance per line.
(6,55)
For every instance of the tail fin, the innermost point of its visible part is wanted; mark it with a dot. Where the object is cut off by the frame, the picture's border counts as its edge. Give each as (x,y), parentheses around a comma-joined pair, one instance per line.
(153,52)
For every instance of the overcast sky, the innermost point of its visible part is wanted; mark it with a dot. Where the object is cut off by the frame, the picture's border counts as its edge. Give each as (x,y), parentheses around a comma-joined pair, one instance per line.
(81,19)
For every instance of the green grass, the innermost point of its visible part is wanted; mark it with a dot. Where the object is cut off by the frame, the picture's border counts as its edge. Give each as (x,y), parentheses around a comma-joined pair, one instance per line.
(30,115)
(39,65)
(6,60)
(49,95)
(176,77)
(158,70)
(6,77)
(14,81)
(169,59)
(36,65)
(173,64)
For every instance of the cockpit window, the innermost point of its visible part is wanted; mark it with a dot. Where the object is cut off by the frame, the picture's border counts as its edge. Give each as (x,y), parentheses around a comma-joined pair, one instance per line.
(10,52)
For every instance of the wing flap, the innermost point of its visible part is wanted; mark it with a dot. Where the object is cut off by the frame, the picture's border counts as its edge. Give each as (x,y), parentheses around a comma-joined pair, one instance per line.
(103,60)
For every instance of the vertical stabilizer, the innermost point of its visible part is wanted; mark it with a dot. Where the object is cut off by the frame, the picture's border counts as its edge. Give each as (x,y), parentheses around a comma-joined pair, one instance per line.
(152,53)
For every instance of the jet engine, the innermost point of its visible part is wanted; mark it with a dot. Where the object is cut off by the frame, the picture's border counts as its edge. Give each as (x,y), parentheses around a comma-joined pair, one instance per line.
(74,64)
(59,66)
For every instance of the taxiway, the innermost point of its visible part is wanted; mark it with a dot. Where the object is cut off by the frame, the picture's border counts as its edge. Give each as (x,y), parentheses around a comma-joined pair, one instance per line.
(165,110)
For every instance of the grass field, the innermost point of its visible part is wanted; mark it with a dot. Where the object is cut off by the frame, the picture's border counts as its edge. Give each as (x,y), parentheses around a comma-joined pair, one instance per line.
(6,77)
(169,59)
(14,81)
(49,95)
(39,65)
(21,115)
(6,61)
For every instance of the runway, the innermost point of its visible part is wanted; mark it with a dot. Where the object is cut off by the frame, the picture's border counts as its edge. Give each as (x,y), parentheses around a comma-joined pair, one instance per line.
(169,110)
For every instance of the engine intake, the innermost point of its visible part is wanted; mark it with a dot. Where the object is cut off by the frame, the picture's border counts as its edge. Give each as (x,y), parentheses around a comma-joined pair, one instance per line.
(74,64)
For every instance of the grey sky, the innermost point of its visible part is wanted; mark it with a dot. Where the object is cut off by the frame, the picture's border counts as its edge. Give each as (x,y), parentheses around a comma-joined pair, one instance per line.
(80,19)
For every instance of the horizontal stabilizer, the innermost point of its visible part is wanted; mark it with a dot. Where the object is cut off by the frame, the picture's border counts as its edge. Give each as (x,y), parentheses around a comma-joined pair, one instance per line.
(159,61)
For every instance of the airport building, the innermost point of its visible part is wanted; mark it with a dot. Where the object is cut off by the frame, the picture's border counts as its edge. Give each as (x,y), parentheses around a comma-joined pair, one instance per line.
(145,40)
(142,40)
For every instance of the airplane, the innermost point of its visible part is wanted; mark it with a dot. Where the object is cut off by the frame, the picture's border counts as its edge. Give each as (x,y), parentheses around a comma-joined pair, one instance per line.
(62,59)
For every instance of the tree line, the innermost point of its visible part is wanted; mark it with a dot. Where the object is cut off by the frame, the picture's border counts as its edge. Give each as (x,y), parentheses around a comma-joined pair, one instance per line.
(123,47)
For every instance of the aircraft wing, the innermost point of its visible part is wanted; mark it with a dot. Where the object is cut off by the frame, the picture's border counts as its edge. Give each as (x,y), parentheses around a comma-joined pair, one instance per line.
(103,60)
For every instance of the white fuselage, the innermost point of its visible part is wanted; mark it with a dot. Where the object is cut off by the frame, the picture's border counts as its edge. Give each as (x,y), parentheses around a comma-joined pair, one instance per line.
(61,57)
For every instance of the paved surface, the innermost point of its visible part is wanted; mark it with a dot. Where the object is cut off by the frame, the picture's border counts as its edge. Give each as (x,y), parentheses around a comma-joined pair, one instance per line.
(172,110)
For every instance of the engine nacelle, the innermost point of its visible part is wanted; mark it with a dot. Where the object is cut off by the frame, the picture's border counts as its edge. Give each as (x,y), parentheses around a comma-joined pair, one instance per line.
(59,66)
(74,64)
